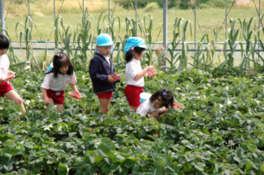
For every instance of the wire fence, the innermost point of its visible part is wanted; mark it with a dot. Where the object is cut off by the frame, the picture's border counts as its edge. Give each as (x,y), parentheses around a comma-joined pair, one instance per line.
(172,31)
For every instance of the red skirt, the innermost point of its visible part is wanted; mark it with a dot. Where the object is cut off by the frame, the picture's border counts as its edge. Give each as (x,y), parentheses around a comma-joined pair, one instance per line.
(105,95)
(132,94)
(57,96)
(5,87)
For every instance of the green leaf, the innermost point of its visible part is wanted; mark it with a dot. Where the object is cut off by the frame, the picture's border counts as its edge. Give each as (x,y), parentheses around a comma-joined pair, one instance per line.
(262,167)
(63,169)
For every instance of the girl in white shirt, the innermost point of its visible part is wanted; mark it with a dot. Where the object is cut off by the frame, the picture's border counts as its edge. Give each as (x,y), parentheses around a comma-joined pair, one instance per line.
(56,80)
(134,73)
(5,75)
(159,103)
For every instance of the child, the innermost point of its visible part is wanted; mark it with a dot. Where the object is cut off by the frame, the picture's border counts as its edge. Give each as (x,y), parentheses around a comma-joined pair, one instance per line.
(159,103)
(56,79)
(5,74)
(134,74)
(102,71)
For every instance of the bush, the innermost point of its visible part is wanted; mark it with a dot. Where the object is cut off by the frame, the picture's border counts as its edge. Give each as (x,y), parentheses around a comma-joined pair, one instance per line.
(152,7)
(171,3)
(184,4)
(129,4)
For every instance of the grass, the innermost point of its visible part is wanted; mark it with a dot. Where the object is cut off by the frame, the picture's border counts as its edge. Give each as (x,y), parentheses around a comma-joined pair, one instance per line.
(208,19)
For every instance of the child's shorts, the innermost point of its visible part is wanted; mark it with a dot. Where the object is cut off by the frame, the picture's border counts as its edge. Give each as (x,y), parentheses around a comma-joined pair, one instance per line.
(132,94)
(105,95)
(57,96)
(5,87)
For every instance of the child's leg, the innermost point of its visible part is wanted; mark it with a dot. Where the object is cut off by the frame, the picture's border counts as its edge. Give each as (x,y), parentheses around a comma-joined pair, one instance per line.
(134,108)
(12,95)
(104,104)
(60,107)
(51,101)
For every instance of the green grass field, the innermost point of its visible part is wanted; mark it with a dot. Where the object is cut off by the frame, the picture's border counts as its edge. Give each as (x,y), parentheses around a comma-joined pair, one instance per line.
(207,20)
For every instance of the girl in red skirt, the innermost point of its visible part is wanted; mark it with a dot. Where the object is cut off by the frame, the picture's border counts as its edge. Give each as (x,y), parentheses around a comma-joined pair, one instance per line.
(56,80)
(5,75)
(134,73)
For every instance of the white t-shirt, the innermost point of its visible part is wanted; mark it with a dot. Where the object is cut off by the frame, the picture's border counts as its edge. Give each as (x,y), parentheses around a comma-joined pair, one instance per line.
(146,107)
(108,59)
(59,83)
(4,66)
(132,69)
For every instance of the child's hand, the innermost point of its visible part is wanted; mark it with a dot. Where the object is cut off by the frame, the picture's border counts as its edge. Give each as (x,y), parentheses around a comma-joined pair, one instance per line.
(150,68)
(10,75)
(116,77)
(111,79)
(76,95)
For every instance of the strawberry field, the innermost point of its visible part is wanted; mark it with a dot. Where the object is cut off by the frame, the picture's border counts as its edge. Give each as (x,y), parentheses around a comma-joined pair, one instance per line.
(220,131)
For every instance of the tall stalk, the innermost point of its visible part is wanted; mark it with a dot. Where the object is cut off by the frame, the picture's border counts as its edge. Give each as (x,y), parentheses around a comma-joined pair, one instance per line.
(146,31)
(250,47)
(25,36)
(84,41)
(12,56)
(66,39)
(181,26)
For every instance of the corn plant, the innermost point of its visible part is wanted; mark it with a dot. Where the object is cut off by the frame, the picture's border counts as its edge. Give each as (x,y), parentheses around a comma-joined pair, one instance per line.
(84,41)
(203,57)
(12,56)
(250,47)
(65,38)
(260,61)
(109,26)
(173,56)
(146,30)
(131,26)
(181,27)
(25,36)
(178,60)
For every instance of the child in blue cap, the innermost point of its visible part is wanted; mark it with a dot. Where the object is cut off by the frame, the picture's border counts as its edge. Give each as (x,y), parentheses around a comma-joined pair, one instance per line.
(134,73)
(102,71)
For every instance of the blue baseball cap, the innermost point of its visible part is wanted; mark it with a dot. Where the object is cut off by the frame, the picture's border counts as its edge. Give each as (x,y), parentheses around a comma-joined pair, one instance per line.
(104,40)
(134,42)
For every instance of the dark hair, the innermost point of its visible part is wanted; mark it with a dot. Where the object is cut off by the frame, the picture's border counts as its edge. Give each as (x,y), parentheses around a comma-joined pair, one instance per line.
(61,60)
(4,43)
(129,54)
(164,95)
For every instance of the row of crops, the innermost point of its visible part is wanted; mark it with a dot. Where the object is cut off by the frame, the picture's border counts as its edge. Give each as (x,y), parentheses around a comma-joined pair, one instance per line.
(241,53)
(221,130)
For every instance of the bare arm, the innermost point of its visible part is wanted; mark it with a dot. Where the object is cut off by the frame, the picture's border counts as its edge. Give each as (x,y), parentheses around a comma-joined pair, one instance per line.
(143,72)
(45,96)
(73,86)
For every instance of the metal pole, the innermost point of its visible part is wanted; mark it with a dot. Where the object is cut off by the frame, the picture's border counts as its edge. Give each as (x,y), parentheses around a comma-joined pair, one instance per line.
(165,22)
(109,12)
(29,8)
(2,6)
(136,17)
(195,26)
(226,21)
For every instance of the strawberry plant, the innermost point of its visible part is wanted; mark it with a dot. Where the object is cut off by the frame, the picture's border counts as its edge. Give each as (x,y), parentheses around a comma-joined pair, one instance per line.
(220,130)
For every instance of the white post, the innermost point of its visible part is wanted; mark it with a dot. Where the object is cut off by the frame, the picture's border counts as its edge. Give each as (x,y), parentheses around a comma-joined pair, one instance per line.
(165,23)
(2,13)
